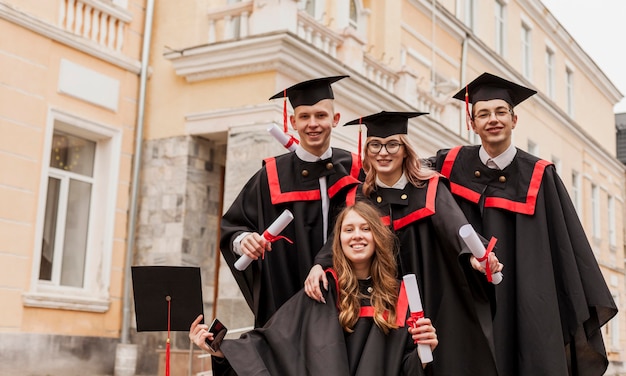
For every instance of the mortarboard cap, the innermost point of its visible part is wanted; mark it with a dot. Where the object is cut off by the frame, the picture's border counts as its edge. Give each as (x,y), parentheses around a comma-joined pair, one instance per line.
(488,86)
(309,92)
(152,285)
(385,124)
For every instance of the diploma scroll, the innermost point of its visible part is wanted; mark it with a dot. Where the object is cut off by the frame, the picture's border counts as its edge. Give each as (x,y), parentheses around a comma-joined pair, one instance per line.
(477,248)
(415,304)
(285,139)
(270,234)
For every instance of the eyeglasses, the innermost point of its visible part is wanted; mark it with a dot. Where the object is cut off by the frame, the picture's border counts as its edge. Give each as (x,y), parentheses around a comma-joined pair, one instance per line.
(392,147)
(500,113)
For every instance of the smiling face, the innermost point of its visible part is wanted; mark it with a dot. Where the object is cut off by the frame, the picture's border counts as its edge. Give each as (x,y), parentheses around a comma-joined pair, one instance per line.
(357,242)
(388,166)
(494,122)
(314,125)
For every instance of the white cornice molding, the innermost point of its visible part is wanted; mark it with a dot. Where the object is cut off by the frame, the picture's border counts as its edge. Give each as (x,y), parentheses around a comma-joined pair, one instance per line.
(112,9)
(254,54)
(51,31)
(565,42)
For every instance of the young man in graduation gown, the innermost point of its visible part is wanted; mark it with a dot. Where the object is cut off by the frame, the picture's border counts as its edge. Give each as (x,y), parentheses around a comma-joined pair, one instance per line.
(553,299)
(418,206)
(311,182)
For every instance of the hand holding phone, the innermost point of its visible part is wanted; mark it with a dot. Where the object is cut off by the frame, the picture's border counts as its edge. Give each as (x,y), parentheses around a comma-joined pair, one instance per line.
(219,332)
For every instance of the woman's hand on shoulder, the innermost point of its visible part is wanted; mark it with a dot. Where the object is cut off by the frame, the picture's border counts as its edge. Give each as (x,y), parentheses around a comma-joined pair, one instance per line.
(312,283)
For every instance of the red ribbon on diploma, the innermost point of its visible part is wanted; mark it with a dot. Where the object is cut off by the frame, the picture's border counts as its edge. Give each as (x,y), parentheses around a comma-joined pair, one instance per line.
(412,320)
(292,140)
(272,238)
(490,246)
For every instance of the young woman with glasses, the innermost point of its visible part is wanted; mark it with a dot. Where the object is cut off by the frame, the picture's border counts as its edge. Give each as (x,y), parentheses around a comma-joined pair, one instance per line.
(416,203)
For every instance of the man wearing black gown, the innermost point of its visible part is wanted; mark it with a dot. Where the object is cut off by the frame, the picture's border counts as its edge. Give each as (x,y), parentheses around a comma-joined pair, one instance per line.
(311,182)
(553,299)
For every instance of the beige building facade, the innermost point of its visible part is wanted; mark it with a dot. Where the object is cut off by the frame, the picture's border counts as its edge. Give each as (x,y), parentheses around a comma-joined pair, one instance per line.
(69,79)
(213,64)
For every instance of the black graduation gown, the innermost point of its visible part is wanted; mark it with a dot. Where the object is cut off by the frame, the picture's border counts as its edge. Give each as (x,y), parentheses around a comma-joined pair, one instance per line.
(285,182)
(455,297)
(304,338)
(551,277)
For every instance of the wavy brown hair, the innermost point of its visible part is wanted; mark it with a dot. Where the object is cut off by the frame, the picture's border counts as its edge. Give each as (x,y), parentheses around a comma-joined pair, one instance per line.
(412,167)
(383,271)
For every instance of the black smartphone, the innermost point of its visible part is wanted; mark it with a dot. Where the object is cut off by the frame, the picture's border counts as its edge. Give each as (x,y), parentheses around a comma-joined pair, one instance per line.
(219,331)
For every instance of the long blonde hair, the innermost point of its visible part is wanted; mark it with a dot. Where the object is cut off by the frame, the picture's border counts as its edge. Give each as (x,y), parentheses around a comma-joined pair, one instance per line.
(412,167)
(383,272)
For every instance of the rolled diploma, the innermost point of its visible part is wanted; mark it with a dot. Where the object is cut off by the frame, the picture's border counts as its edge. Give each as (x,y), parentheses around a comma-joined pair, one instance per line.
(415,304)
(286,140)
(477,248)
(275,228)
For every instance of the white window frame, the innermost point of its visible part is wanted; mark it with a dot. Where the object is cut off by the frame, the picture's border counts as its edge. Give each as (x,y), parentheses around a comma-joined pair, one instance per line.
(500,24)
(557,164)
(343,16)
(319,8)
(527,51)
(550,72)
(576,197)
(94,295)
(469,13)
(569,90)
(533,148)
(611,222)
(614,327)
(595,211)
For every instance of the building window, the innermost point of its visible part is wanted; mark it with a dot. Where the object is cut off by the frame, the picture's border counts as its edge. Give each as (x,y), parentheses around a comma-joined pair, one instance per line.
(354,13)
(557,164)
(68,202)
(468,14)
(595,211)
(550,73)
(614,334)
(576,191)
(611,221)
(76,218)
(569,81)
(533,148)
(315,8)
(500,27)
(526,52)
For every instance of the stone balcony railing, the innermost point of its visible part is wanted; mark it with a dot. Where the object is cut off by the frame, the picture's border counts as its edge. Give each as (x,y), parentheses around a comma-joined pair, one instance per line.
(379,73)
(230,22)
(237,21)
(318,35)
(233,22)
(96,20)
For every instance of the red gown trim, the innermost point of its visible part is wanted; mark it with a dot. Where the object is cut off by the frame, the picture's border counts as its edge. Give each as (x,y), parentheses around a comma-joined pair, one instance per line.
(280,197)
(526,207)
(427,210)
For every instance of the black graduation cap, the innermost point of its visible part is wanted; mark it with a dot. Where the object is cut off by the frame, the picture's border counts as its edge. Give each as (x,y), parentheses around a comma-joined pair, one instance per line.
(309,92)
(385,124)
(488,86)
(166,297)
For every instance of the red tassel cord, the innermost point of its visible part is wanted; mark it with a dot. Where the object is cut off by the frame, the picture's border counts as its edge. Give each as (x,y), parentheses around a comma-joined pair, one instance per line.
(468,117)
(359,146)
(167,344)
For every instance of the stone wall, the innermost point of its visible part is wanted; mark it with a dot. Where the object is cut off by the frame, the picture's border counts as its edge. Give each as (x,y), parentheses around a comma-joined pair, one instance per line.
(178,221)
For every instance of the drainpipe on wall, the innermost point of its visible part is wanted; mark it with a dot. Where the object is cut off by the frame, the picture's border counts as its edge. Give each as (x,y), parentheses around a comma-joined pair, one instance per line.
(126,353)
(462,80)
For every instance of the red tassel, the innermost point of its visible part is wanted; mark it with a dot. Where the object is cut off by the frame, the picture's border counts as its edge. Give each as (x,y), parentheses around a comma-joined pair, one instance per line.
(467,111)
(167,344)
(359,146)
(285,110)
